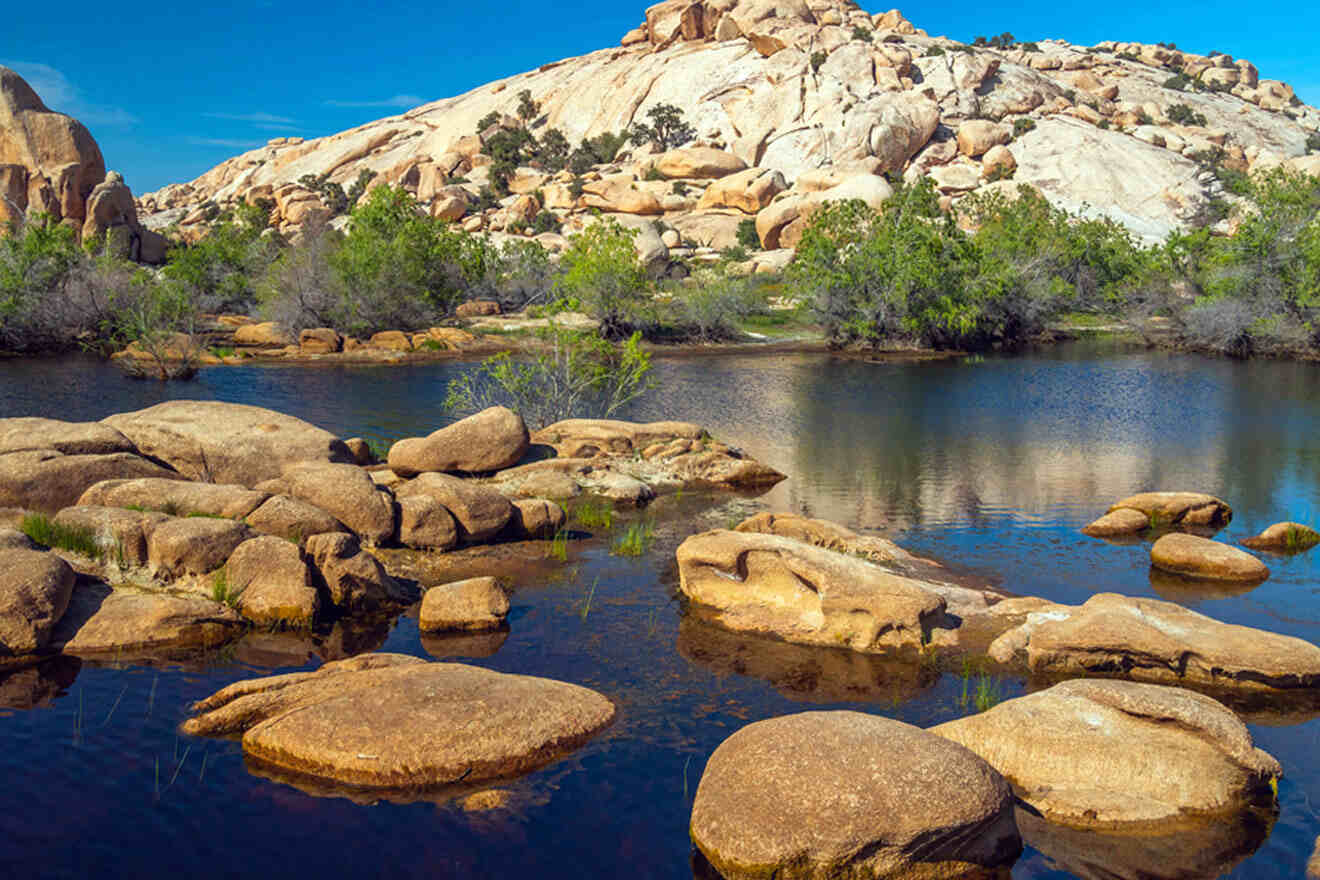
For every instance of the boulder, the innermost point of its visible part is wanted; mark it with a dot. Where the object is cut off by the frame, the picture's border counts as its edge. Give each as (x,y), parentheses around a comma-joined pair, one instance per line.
(804,594)
(1284,537)
(320,340)
(361,452)
(547,484)
(387,721)
(536,518)
(13,539)
(225,442)
(620,487)
(491,440)
(773,219)
(584,438)
(426,524)
(1178,509)
(34,592)
(698,163)
(175,497)
(998,162)
(286,517)
(844,794)
(346,492)
(1124,521)
(354,580)
(390,340)
(1160,642)
(823,533)
(1197,557)
(194,545)
(103,622)
(1109,754)
(477,308)
(474,604)
(47,481)
(481,512)
(121,534)
(268,334)
(273,582)
(68,438)
(619,193)
(747,191)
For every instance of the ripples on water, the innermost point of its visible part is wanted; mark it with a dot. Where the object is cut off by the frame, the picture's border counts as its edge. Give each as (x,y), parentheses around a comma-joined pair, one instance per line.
(991,465)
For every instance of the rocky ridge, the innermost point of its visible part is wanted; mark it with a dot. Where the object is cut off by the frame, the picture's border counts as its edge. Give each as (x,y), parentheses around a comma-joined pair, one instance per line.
(797,101)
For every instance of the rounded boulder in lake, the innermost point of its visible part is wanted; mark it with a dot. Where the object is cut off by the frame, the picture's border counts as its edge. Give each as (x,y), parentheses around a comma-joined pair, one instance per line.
(845,794)
(388,721)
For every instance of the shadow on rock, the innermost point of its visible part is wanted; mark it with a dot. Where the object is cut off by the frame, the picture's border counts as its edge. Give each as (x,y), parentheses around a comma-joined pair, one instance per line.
(806,674)
(1189,852)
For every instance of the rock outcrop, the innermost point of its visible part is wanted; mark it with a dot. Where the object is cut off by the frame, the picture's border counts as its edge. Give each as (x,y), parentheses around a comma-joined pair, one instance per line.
(843,794)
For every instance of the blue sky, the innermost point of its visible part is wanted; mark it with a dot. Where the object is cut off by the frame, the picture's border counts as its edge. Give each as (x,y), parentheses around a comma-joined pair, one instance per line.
(174,92)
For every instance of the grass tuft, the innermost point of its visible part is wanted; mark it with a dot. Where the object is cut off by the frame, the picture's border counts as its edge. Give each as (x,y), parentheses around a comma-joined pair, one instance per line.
(48,533)
(559,546)
(594,513)
(635,540)
(223,591)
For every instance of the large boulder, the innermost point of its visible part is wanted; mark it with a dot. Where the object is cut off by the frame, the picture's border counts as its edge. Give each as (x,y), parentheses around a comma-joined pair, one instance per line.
(694,163)
(843,794)
(273,582)
(292,519)
(491,440)
(802,593)
(1198,557)
(69,438)
(102,622)
(112,218)
(268,334)
(392,722)
(473,604)
(426,524)
(1178,508)
(480,511)
(1160,642)
(977,136)
(193,545)
(34,592)
(226,442)
(1116,753)
(346,492)
(354,580)
(175,497)
(747,191)
(47,481)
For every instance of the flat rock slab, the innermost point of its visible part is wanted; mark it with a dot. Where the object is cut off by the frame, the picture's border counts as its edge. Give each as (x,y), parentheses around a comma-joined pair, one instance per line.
(70,438)
(1153,641)
(48,481)
(392,722)
(226,442)
(1202,558)
(101,621)
(491,440)
(844,794)
(802,593)
(1110,754)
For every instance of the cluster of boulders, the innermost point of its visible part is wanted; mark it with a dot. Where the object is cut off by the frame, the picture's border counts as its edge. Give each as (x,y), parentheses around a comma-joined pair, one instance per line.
(239,515)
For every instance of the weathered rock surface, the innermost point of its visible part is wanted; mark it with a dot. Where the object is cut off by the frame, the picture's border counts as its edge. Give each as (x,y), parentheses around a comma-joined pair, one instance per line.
(226,442)
(389,722)
(354,580)
(13,539)
(426,524)
(1124,521)
(121,534)
(34,592)
(1153,641)
(802,593)
(1285,537)
(536,518)
(1110,754)
(100,621)
(112,217)
(292,519)
(175,497)
(346,492)
(1193,556)
(473,604)
(274,583)
(193,545)
(823,533)
(46,481)
(481,512)
(1137,513)
(491,440)
(843,794)
(69,438)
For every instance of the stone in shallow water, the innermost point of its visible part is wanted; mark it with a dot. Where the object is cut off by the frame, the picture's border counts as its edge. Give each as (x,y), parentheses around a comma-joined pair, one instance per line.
(1113,754)
(1202,558)
(34,592)
(491,440)
(1178,508)
(1124,521)
(474,604)
(844,794)
(393,722)
(100,621)
(1285,537)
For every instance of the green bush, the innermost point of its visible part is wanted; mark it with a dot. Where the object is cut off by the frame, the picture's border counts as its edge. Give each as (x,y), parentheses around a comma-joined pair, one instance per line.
(747,235)
(546,221)
(934,52)
(1313,142)
(818,59)
(667,130)
(1023,125)
(602,271)
(861,33)
(1184,115)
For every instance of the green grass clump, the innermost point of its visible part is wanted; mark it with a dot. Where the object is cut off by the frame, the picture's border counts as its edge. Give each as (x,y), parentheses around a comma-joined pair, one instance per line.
(979,689)
(48,533)
(1299,539)
(559,546)
(635,540)
(223,591)
(595,513)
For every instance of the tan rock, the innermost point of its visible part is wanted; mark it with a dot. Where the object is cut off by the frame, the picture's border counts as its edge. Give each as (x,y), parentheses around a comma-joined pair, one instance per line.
(194,545)
(477,308)
(320,340)
(976,136)
(286,517)
(347,493)
(1285,537)
(34,592)
(747,191)
(121,534)
(355,581)
(101,622)
(225,442)
(1124,521)
(772,220)
(268,334)
(273,582)
(491,440)
(802,593)
(1197,557)
(68,438)
(474,604)
(426,524)
(1109,754)
(536,518)
(391,340)
(404,725)
(844,794)
(1178,508)
(620,193)
(584,438)
(822,533)
(47,481)
(698,163)
(175,497)
(547,484)
(998,161)
(481,512)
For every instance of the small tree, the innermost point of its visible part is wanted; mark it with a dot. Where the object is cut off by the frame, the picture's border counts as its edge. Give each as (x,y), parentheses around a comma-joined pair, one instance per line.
(601,270)
(667,130)
(527,108)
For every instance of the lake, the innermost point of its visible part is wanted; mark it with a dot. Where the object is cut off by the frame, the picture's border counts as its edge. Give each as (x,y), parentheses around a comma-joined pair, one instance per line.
(988,464)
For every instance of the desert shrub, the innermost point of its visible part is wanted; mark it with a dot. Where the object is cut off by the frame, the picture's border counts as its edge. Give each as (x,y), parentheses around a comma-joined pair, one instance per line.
(1179,82)
(546,221)
(934,52)
(1184,115)
(747,235)
(668,128)
(709,307)
(300,289)
(600,269)
(219,271)
(861,33)
(1313,142)
(1023,125)
(818,59)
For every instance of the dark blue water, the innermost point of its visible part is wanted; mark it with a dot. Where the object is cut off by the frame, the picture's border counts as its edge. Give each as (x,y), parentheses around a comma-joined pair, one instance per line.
(989,465)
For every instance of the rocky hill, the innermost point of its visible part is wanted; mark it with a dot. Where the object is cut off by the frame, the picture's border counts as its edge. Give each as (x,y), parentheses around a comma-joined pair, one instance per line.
(795,101)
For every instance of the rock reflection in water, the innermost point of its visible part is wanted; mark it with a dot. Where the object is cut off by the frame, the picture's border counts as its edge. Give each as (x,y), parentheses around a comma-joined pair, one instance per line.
(811,675)
(472,645)
(1204,849)
(1188,590)
(37,686)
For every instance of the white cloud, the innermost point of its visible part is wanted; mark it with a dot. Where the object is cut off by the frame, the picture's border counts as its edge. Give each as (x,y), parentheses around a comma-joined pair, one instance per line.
(233,143)
(403,101)
(61,95)
(258,118)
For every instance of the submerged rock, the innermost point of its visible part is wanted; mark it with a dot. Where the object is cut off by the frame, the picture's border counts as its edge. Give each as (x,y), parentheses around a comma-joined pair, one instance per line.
(491,440)
(386,721)
(473,604)
(1202,558)
(802,593)
(1285,537)
(1110,754)
(843,794)
(34,592)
